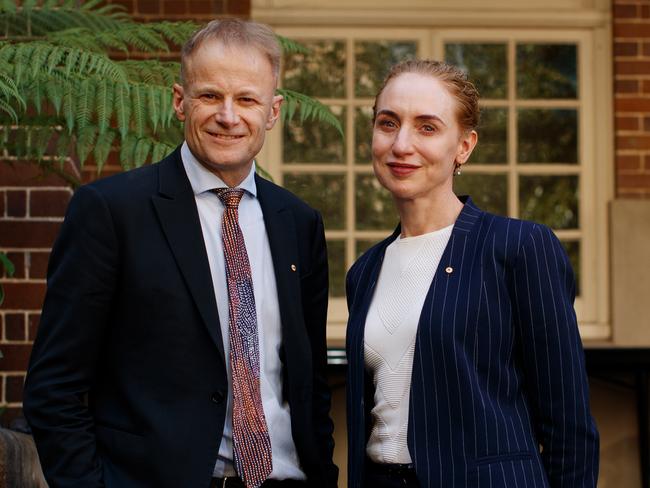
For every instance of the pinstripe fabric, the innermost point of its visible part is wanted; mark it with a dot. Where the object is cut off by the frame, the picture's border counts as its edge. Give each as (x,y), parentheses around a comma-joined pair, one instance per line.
(498,370)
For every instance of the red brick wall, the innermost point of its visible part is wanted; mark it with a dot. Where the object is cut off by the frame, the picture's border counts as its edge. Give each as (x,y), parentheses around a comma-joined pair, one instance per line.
(32,208)
(632,97)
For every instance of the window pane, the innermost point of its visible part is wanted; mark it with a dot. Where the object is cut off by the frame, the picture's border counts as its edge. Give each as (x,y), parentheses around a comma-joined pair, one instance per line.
(486,65)
(550,200)
(573,250)
(492,144)
(336,258)
(321,73)
(362,134)
(374,59)
(489,192)
(547,136)
(374,205)
(364,244)
(323,192)
(314,142)
(547,71)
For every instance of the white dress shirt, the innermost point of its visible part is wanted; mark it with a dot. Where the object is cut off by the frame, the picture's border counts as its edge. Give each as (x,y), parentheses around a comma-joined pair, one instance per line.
(251,221)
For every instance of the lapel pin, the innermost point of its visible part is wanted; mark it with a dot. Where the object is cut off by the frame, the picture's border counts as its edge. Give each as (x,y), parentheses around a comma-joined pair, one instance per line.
(293,267)
(449,270)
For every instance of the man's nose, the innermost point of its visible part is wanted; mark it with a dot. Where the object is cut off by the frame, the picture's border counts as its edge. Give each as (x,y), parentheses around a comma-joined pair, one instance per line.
(227,114)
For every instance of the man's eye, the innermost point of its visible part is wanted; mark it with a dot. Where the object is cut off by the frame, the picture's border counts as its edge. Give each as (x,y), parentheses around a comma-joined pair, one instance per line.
(387,123)
(247,100)
(208,97)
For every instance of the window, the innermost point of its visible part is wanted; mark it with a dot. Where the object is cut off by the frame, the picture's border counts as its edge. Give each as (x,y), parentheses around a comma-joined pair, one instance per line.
(535,158)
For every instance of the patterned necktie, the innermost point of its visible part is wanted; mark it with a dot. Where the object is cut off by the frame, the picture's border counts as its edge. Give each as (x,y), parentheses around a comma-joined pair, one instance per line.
(250,435)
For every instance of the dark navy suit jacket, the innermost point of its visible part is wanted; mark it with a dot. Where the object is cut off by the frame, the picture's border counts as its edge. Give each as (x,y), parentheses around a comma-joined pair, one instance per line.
(130,320)
(499,395)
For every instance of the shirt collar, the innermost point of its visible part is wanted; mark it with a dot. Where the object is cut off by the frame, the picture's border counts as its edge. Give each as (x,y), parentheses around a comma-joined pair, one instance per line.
(203,180)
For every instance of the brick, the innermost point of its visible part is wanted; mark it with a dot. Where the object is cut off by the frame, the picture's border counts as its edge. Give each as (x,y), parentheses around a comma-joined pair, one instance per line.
(632,67)
(625,105)
(631,194)
(239,7)
(633,142)
(33,319)
(18,260)
(3,197)
(14,388)
(28,234)
(149,7)
(48,203)
(126,4)
(37,267)
(628,29)
(175,7)
(199,7)
(626,48)
(645,11)
(14,327)
(219,6)
(16,203)
(27,174)
(16,356)
(625,11)
(628,162)
(23,296)
(626,86)
(626,123)
(634,180)
(646,162)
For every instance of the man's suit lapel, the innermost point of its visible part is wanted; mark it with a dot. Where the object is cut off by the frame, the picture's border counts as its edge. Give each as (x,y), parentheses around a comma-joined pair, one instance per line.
(179,218)
(281,231)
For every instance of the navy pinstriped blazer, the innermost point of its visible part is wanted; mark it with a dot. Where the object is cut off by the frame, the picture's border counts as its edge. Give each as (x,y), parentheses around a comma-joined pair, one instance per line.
(498,373)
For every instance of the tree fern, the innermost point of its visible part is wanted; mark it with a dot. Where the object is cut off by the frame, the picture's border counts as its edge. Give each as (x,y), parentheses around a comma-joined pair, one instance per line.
(65,100)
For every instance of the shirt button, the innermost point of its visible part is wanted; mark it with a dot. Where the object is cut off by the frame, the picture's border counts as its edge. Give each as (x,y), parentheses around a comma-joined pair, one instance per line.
(218,397)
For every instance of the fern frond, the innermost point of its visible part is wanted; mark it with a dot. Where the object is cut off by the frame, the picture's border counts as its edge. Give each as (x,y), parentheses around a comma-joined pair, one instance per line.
(102,149)
(310,108)
(54,93)
(122,108)
(85,142)
(127,150)
(141,153)
(69,105)
(289,46)
(104,104)
(8,6)
(153,101)
(85,99)
(9,110)
(138,106)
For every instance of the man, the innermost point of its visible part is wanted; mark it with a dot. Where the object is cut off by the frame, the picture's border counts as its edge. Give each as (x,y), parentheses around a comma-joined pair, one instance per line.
(171,286)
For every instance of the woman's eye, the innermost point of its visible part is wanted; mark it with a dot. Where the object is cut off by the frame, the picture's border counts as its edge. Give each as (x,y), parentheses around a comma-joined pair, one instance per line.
(428,128)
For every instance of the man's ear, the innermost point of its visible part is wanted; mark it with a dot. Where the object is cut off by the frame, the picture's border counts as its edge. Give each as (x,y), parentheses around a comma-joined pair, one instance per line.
(275,111)
(179,93)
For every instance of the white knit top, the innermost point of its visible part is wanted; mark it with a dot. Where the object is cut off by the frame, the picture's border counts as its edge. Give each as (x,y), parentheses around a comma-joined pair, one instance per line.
(389,339)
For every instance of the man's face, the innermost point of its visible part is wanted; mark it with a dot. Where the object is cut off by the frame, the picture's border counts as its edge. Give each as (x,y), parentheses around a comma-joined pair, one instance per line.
(228,103)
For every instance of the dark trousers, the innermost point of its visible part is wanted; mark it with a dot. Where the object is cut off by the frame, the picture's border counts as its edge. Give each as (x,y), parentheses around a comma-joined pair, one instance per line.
(390,476)
(237,483)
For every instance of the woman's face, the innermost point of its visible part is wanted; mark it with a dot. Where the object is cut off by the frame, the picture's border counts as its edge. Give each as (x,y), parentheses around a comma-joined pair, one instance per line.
(417,140)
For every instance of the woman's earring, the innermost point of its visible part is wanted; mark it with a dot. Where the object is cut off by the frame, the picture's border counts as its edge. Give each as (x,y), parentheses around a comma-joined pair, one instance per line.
(457,170)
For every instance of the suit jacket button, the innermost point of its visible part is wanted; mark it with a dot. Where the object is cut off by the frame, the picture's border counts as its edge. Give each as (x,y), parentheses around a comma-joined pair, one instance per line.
(218,397)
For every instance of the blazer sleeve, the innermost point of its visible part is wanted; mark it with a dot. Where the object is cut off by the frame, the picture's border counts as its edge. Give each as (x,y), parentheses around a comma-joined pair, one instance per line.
(315,298)
(553,361)
(80,286)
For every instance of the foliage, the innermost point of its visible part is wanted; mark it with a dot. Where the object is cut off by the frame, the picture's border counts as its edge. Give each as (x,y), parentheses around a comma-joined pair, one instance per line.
(9,270)
(74,86)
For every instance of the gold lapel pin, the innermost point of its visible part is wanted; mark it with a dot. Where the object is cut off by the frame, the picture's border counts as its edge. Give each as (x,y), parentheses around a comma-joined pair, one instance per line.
(293,267)
(449,270)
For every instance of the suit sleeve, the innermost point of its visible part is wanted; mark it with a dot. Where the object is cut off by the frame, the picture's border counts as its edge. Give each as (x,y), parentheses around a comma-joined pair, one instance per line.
(553,361)
(80,285)
(315,298)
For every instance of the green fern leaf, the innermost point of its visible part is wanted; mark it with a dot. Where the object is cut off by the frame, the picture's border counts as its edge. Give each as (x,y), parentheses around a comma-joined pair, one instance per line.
(102,149)
(289,46)
(63,145)
(122,108)
(41,141)
(55,92)
(310,108)
(85,142)
(85,99)
(141,153)
(8,6)
(138,106)
(69,105)
(9,110)
(160,151)
(127,150)
(71,59)
(104,104)
(152,104)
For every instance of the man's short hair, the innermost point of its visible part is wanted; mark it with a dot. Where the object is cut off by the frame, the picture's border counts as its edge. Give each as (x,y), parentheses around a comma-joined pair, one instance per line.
(237,32)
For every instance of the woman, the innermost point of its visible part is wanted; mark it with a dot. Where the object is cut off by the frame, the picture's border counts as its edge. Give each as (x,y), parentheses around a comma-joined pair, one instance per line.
(465,363)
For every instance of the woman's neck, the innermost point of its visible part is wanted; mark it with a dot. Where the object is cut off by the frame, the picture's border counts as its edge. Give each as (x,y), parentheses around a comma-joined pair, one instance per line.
(423,215)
